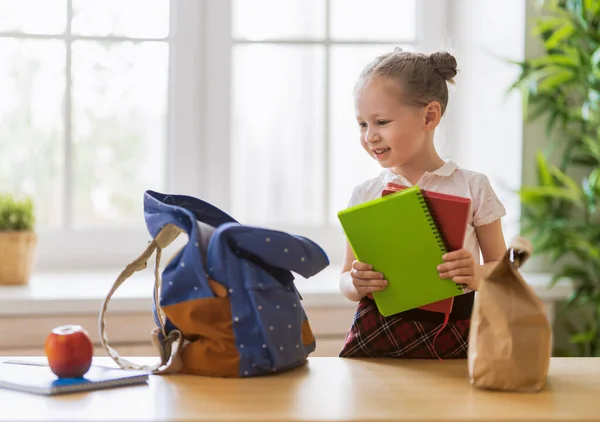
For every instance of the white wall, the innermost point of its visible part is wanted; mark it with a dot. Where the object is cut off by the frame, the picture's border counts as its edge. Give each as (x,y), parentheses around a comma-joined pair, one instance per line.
(484,127)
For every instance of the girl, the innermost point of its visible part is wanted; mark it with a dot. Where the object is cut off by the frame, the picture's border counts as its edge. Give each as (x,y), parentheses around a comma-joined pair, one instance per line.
(400,98)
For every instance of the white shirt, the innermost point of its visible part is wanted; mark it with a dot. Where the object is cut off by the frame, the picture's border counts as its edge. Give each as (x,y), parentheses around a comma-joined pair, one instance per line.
(449,179)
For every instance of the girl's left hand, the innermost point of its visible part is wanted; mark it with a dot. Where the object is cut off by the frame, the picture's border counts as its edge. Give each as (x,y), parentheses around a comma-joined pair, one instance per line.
(459,265)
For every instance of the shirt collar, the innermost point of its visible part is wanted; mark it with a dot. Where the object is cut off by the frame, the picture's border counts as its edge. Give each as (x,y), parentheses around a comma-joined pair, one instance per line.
(446,170)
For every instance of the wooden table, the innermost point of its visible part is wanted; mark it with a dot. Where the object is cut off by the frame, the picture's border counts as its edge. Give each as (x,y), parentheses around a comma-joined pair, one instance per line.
(331,389)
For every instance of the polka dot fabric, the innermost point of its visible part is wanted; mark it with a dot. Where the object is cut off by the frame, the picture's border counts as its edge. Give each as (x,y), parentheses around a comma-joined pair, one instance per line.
(255,266)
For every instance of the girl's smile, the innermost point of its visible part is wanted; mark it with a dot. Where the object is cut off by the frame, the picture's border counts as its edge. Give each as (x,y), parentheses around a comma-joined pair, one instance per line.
(381,153)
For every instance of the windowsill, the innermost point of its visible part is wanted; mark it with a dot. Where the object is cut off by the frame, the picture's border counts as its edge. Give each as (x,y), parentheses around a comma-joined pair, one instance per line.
(82,292)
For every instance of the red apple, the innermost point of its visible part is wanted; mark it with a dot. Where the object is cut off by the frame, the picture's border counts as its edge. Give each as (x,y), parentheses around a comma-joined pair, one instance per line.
(69,351)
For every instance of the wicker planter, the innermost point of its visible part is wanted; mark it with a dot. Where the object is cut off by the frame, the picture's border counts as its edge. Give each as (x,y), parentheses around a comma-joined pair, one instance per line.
(17,252)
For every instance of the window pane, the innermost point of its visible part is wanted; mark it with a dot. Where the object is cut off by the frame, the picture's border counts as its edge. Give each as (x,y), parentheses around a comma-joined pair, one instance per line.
(32,75)
(393,20)
(33,16)
(119,117)
(127,18)
(258,20)
(277,151)
(349,163)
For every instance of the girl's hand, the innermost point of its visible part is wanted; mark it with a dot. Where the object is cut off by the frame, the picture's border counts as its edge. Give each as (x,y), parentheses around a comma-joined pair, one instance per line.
(365,280)
(459,265)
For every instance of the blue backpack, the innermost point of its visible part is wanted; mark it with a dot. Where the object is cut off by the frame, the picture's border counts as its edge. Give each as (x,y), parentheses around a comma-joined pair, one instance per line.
(226,304)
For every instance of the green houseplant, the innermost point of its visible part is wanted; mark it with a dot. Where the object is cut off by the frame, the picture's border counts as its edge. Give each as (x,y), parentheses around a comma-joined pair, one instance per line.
(17,239)
(560,213)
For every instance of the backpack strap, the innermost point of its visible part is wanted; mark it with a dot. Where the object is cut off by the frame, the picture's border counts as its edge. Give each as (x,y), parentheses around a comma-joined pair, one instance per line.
(168,345)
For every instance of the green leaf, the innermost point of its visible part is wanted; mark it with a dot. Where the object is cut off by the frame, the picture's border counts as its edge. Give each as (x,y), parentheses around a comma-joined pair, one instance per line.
(548,23)
(592,146)
(567,181)
(583,248)
(556,60)
(555,80)
(584,337)
(16,214)
(544,175)
(591,6)
(540,74)
(536,193)
(559,35)
(529,80)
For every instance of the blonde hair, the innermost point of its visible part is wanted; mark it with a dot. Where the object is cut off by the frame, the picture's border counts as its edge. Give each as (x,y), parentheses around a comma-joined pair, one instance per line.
(423,76)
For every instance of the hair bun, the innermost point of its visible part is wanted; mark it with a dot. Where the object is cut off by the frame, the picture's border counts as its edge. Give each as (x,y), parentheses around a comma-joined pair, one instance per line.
(444,64)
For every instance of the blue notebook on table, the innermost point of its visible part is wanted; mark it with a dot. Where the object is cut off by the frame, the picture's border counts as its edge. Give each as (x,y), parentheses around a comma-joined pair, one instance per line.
(36,378)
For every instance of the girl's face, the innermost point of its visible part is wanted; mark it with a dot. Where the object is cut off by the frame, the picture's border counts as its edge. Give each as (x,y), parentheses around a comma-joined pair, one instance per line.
(390,131)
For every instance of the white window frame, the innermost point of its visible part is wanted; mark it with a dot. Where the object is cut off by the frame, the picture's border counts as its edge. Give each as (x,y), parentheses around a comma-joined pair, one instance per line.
(68,249)
(431,31)
(198,139)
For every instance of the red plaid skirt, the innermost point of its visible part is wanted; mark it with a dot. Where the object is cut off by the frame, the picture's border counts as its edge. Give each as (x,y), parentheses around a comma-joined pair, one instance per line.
(373,335)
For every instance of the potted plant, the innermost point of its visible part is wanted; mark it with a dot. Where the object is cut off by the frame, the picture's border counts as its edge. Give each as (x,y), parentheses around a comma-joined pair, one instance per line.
(17,239)
(560,213)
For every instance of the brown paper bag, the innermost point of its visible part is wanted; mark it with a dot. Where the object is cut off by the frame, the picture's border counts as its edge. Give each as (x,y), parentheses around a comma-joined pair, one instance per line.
(510,342)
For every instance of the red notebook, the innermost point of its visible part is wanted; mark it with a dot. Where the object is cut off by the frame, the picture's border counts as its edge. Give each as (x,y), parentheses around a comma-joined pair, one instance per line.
(450,212)
(451,215)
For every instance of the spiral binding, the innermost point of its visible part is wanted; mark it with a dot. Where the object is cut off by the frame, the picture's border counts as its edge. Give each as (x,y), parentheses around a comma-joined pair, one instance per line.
(433,223)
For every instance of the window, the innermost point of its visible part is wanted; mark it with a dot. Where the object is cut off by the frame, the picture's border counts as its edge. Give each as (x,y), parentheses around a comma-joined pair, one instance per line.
(244,103)
(295,154)
(84,107)
(85,117)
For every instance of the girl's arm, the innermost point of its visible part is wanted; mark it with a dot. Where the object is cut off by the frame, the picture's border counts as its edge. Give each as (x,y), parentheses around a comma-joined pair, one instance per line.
(493,247)
(346,286)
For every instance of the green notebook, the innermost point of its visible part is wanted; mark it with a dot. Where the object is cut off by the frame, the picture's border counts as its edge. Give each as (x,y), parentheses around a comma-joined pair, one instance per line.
(398,237)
